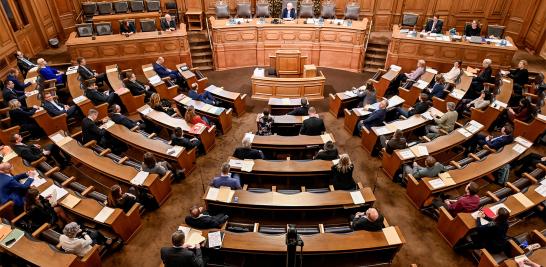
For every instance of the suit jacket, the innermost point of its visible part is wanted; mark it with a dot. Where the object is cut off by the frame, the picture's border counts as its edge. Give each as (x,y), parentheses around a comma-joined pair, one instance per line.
(292,13)
(438,90)
(247,153)
(11,189)
(90,131)
(376,118)
(19,86)
(233,183)
(362,223)
(21,116)
(394,144)
(468,31)
(52,110)
(299,111)
(97,97)
(193,94)
(437,27)
(12,94)
(312,126)
(166,25)
(520,76)
(85,73)
(177,257)
(49,73)
(24,65)
(136,87)
(162,71)
(206,221)
(419,108)
(122,119)
(447,121)
(28,153)
(500,141)
(327,154)
(484,75)
(127,29)
(367,97)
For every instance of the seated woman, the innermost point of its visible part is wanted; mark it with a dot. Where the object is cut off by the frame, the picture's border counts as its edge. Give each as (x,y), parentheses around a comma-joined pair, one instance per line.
(439,86)
(520,76)
(342,174)
(479,103)
(491,236)
(40,211)
(127,28)
(23,117)
(193,118)
(162,105)
(367,96)
(525,111)
(117,199)
(78,242)
(265,123)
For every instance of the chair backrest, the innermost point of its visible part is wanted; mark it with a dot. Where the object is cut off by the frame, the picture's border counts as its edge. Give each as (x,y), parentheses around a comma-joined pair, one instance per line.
(243,10)
(121,7)
(137,5)
(495,30)
(307,11)
(89,8)
(104,8)
(352,11)
(262,10)
(153,5)
(148,25)
(84,29)
(103,28)
(328,10)
(171,5)
(222,10)
(409,19)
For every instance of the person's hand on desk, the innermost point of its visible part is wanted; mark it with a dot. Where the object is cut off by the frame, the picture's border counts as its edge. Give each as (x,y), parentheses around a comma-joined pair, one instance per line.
(528,262)
(489,137)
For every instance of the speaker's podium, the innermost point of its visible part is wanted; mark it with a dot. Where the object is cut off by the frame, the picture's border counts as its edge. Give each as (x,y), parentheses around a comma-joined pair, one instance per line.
(290,77)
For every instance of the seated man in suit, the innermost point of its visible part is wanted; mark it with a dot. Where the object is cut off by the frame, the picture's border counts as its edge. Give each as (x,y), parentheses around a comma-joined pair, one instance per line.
(138,88)
(376,118)
(11,188)
(370,221)
(91,131)
(329,152)
(12,76)
(181,254)
(469,202)
(396,142)
(484,76)
(92,92)
(434,26)
(87,73)
(23,63)
(472,29)
(178,139)
(168,24)
(312,125)
(163,71)
(34,152)
(420,107)
(225,179)
(200,218)
(446,122)
(206,96)
(49,73)
(10,93)
(302,110)
(413,76)
(116,116)
(54,108)
(496,143)
(432,169)
(289,12)
(246,152)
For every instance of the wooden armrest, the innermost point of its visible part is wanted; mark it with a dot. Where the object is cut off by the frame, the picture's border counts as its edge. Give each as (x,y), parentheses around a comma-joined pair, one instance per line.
(76,134)
(274,188)
(152,135)
(472,155)
(104,152)
(512,187)
(491,195)
(52,171)
(426,138)
(455,164)
(331,187)
(538,237)
(459,124)
(530,177)
(122,160)
(486,259)
(7,208)
(87,190)
(36,162)
(359,185)
(256,227)
(68,181)
(321,228)
(93,253)
(40,229)
(165,79)
(90,143)
(167,175)
(332,96)
(127,70)
(18,217)
(490,149)
(442,131)
(243,96)
(515,249)
(540,165)
(50,81)
(245,187)
(134,128)
(302,189)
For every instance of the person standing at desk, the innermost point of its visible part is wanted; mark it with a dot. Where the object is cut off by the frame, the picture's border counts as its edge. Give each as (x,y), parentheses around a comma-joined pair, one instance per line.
(434,25)
(168,24)
(472,29)
(289,12)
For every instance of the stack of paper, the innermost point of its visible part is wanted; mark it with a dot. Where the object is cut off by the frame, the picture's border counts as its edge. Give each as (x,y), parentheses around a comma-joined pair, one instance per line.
(236,163)
(54,193)
(285,101)
(519,148)
(146,111)
(326,137)
(214,110)
(495,208)
(522,141)
(357,197)
(14,234)
(155,79)
(382,130)
(464,132)
(419,151)
(225,194)
(350,93)
(391,235)
(247,165)
(406,154)
(185,100)
(214,89)
(215,239)
(193,236)
(139,178)
(79,99)
(107,124)
(249,136)
(523,199)
(38,181)
(446,178)
(70,201)
(104,214)
(212,194)
(436,183)
(476,214)
(426,116)
(472,128)
(259,72)
(395,68)
(541,190)
(457,93)
(206,107)
(175,150)
(421,84)
(498,105)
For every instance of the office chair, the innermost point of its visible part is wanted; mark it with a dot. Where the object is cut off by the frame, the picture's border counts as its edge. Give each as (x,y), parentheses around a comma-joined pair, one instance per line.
(495,30)
(137,6)
(262,9)
(352,11)
(84,29)
(103,28)
(121,7)
(222,10)
(307,10)
(105,8)
(243,10)
(153,6)
(328,10)
(148,25)
(409,19)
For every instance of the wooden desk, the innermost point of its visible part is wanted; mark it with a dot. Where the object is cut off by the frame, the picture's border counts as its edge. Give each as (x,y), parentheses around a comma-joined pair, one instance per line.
(206,136)
(77,93)
(159,188)
(289,173)
(419,191)
(456,95)
(137,49)
(232,99)
(532,130)
(537,256)
(295,146)
(265,87)
(185,159)
(286,125)
(437,148)
(251,44)
(131,103)
(405,51)
(191,78)
(382,85)
(137,16)
(160,85)
(219,115)
(411,95)
(341,101)
(353,116)
(281,106)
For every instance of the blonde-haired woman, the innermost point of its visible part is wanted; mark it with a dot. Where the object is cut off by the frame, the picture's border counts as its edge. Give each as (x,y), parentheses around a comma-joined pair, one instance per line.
(342,174)
(23,117)
(193,118)
(158,104)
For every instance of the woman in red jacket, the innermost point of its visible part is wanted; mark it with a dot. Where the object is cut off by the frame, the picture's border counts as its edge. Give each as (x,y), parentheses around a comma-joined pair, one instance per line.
(193,118)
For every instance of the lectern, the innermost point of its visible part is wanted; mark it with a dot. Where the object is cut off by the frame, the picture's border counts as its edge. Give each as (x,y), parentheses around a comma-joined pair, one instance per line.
(288,63)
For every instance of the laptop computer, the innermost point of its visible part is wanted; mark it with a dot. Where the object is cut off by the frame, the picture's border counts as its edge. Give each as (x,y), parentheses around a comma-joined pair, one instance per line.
(476,39)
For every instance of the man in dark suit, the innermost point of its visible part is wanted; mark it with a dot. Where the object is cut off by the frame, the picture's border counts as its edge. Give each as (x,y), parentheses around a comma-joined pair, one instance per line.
(12,76)
(370,221)
(10,93)
(117,117)
(328,153)
(97,97)
(168,24)
(87,73)
(163,71)
(496,143)
(23,63)
(91,131)
(138,88)
(201,219)
(472,29)
(54,108)
(181,254)
(484,76)
(376,118)
(289,12)
(312,125)
(302,110)
(34,152)
(205,97)
(11,188)
(246,152)
(419,107)
(434,25)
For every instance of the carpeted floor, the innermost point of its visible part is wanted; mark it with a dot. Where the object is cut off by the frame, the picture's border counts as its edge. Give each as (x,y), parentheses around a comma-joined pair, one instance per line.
(419,231)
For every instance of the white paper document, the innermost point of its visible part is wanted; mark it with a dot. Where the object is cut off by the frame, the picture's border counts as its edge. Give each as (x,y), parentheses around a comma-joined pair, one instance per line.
(541,190)
(139,178)
(212,194)
(357,197)
(406,154)
(237,163)
(326,137)
(215,239)
(104,214)
(54,193)
(249,136)
(175,150)
(247,165)
(436,183)
(396,68)
(79,99)
(519,148)
(381,130)
(426,116)
(522,141)
(464,132)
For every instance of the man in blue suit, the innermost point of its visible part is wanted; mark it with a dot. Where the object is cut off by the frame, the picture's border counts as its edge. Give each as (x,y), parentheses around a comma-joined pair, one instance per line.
(376,118)
(11,188)
(163,71)
(12,76)
(496,143)
(205,97)
(289,12)
(49,73)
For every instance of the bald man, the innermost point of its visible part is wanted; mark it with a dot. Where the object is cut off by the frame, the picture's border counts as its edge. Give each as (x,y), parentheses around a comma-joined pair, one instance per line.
(163,71)
(49,73)
(11,188)
(370,220)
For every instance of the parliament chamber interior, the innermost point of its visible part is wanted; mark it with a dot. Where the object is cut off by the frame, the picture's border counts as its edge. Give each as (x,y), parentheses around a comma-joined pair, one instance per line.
(273,133)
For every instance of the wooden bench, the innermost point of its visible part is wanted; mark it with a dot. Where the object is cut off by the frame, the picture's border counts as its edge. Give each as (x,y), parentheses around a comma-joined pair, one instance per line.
(492,112)
(161,85)
(383,83)
(131,103)
(353,116)
(232,99)
(219,115)
(411,95)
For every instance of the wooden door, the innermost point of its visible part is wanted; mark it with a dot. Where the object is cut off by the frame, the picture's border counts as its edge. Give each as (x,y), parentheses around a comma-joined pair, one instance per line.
(535,37)
(517,21)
